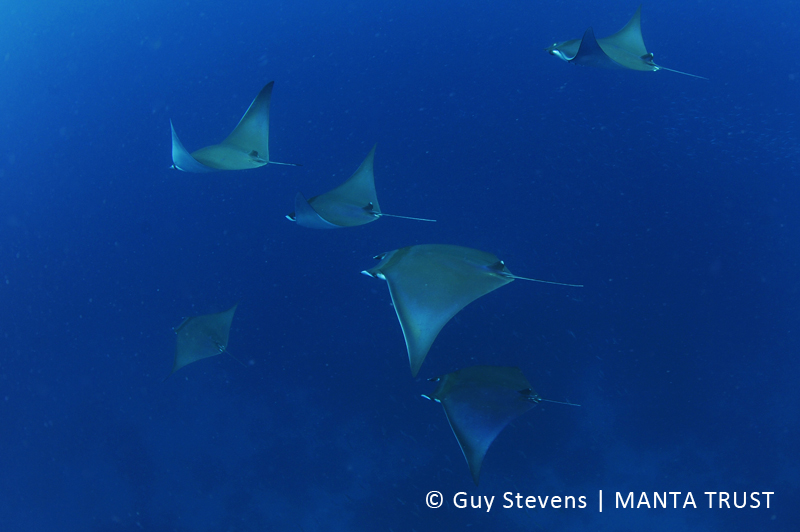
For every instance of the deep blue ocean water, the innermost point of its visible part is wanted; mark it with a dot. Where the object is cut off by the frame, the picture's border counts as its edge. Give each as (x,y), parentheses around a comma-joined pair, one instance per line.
(673,200)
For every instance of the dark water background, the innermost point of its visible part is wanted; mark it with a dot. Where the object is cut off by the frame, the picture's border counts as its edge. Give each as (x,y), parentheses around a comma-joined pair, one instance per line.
(674,200)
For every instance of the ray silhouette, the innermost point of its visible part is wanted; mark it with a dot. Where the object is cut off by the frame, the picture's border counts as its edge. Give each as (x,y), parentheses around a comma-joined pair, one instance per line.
(479,402)
(624,49)
(352,203)
(429,284)
(201,337)
(246,147)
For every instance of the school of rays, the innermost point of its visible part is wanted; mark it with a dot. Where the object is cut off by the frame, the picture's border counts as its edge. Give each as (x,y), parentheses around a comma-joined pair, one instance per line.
(429,284)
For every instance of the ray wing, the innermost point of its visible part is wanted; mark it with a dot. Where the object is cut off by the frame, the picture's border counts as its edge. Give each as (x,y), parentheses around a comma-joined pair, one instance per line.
(251,134)
(590,53)
(182,159)
(626,47)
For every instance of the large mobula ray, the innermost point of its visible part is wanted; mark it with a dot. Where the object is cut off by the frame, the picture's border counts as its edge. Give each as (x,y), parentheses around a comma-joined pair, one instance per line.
(624,49)
(479,402)
(246,147)
(352,203)
(201,337)
(429,284)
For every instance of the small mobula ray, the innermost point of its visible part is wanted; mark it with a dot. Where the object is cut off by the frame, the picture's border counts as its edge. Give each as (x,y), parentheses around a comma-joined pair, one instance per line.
(352,203)
(624,49)
(479,402)
(246,147)
(201,337)
(430,284)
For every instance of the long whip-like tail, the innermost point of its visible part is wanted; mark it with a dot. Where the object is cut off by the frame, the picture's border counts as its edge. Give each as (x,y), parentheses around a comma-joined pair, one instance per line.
(560,402)
(684,73)
(546,282)
(405,217)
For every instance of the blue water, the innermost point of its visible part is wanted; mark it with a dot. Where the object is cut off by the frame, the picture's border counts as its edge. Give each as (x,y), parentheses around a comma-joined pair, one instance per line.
(672,199)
